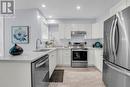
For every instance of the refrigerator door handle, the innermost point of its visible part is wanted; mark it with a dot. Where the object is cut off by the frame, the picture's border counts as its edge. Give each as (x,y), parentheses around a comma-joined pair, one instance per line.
(113,39)
(111,33)
(118,69)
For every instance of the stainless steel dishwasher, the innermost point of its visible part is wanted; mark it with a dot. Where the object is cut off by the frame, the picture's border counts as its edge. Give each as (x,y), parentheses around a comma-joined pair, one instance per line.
(40,72)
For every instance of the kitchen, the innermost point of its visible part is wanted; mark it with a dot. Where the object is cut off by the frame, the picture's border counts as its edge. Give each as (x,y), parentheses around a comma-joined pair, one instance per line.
(62,37)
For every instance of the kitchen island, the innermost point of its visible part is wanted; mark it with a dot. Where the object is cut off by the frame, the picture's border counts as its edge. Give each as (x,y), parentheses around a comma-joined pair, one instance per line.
(15,71)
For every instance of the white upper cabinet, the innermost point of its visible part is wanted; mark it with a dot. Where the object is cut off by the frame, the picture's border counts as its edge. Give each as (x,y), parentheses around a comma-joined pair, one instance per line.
(97,30)
(88,29)
(83,27)
(61,31)
(65,30)
(74,27)
(118,7)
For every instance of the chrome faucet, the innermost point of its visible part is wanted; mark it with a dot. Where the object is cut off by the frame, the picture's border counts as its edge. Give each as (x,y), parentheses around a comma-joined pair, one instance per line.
(37,43)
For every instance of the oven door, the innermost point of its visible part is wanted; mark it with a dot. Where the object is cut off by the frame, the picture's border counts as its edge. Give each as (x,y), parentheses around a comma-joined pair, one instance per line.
(79,55)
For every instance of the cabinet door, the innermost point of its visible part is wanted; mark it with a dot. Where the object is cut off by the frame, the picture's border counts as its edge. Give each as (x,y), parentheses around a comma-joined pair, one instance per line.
(66,59)
(88,28)
(54,59)
(52,62)
(59,57)
(81,27)
(61,31)
(99,59)
(67,31)
(50,65)
(101,28)
(91,57)
(74,27)
(97,30)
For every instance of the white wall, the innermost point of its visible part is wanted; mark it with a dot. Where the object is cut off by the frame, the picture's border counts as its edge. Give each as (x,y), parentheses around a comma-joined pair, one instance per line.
(122,4)
(1,37)
(23,18)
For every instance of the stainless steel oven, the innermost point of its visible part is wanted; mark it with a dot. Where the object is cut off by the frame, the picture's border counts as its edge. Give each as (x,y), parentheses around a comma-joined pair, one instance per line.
(40,72)
(79,57)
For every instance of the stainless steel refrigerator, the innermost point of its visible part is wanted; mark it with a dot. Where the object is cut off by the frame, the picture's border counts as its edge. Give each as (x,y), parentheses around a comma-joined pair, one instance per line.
(116,55)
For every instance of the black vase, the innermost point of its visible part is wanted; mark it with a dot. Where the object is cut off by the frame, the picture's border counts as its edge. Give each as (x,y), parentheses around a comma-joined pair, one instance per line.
(16,50)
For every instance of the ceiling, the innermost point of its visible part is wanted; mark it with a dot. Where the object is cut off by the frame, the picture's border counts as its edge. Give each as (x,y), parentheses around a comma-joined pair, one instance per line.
(66,9)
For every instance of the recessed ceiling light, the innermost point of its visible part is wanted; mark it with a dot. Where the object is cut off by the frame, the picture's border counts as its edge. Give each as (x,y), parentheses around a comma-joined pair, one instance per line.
(38,16)
(52,21)
(43,5)
(50,16)
(78,7)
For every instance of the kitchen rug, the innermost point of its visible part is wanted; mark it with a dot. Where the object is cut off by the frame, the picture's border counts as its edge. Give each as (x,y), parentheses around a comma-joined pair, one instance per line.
(57,76)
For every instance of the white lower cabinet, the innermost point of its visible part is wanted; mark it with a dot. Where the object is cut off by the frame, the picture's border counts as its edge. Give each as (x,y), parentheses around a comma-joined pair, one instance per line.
(64,57)
(59,58)
(52,62)
(99,59)
(91,58)
(95,58)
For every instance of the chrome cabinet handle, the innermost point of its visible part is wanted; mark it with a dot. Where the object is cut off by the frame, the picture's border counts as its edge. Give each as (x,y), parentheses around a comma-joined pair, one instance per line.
(118,69)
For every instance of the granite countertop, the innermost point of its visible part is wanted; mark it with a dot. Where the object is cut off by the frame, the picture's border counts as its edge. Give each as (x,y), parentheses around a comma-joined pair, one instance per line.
(26,57)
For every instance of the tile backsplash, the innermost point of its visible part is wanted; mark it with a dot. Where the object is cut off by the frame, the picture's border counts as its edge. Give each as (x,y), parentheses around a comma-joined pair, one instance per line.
(54,35)
(90,42)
